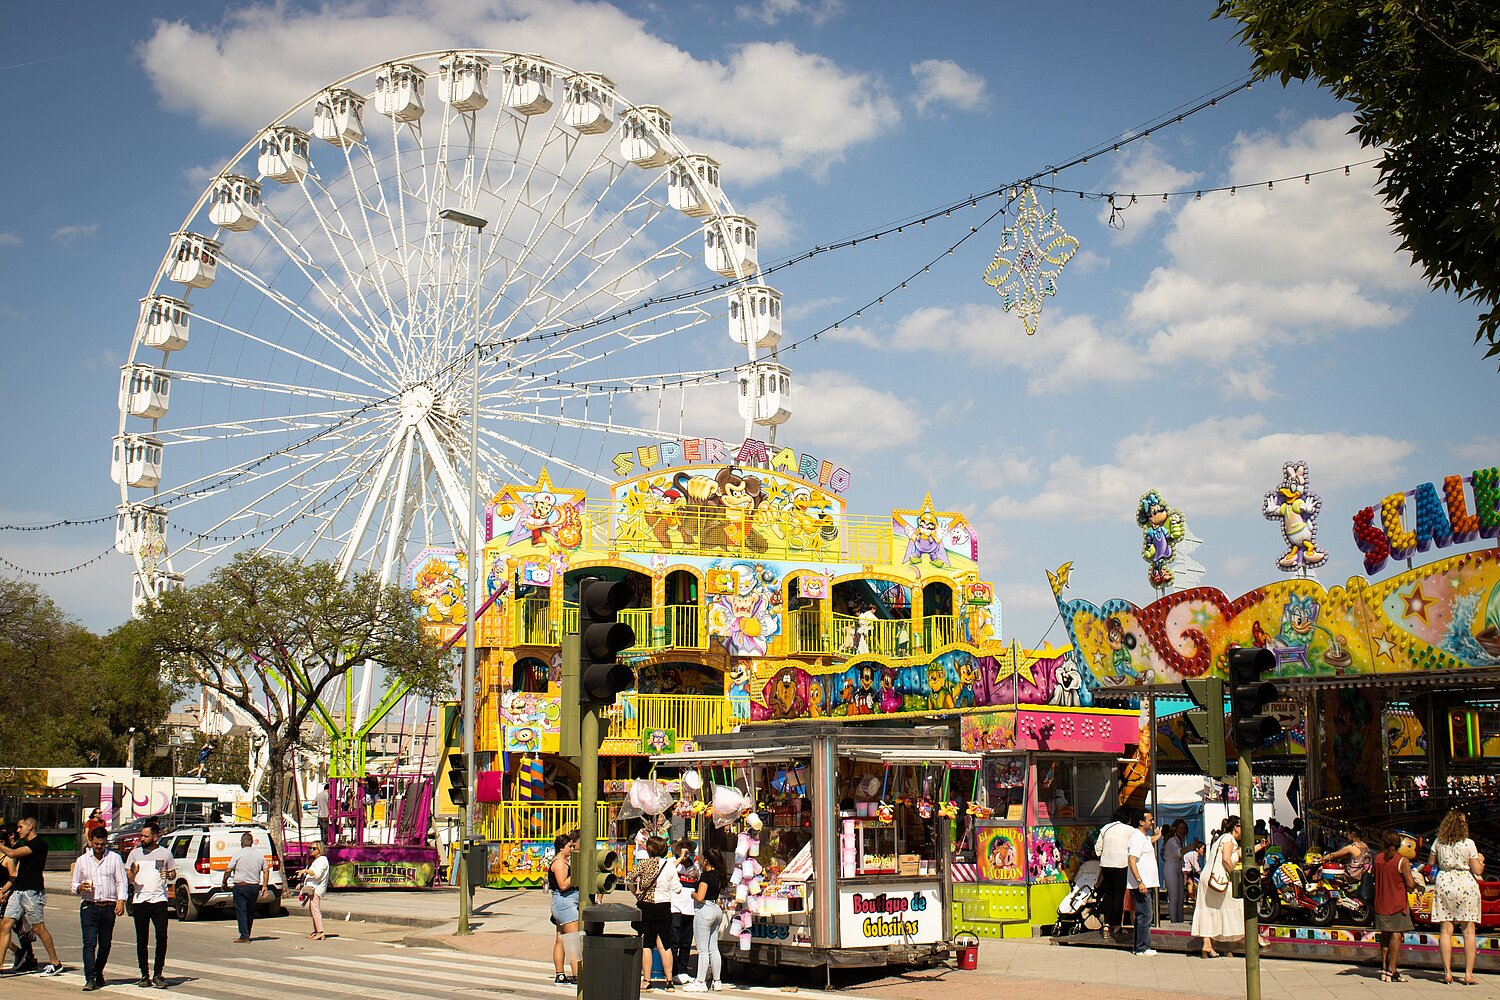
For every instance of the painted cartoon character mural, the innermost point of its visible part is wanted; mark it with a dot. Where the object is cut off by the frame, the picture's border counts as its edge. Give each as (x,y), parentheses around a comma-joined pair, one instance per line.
(1299,627)
(1162,527)
(1067,690)
(541,516)
(1122,644)
(1295,506)
(749,617)
(926,541)
(437,589)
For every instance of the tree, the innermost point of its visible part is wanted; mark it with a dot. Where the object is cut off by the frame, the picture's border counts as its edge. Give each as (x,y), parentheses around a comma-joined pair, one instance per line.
(70,697)
(273,636)
(1424,78)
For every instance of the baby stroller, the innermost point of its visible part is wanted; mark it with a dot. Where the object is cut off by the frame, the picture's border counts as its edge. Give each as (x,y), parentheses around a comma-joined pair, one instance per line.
(1079,910)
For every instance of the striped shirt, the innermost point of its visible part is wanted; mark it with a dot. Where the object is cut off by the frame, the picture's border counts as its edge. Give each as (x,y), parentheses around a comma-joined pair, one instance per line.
(107,875)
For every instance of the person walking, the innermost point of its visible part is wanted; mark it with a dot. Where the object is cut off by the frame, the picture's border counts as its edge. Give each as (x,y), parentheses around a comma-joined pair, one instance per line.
(1218,914)
(99,879)
(1172,851)
(1113,849)
(314,886)
(563,898)
(706,917)
(247,873)
(653,897)
(151,870)
(9,867)
(1393,880)
(1455,891)
(682,908)
(1143,879)
(28,893)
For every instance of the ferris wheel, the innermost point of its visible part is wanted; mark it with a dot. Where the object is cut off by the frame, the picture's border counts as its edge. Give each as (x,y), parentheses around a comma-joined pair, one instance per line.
(299,378)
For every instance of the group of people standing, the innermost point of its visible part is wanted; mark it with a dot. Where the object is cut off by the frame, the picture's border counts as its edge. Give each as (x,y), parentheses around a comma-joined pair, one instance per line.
(677,890)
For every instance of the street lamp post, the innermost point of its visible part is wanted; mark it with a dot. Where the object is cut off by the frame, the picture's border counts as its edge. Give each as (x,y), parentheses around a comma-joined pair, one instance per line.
(471,584)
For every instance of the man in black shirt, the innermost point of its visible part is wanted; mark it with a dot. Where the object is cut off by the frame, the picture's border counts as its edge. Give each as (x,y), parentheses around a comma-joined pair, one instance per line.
(28,896)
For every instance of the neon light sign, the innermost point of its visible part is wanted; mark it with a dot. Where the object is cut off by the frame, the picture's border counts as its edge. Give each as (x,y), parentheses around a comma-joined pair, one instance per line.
(1439,519)
(752,453)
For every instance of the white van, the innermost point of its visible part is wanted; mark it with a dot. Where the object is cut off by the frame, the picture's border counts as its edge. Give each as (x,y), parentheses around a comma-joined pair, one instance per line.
(203,853)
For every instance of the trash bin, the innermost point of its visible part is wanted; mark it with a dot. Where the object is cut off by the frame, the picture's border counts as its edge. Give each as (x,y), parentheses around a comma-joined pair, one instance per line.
(611,966)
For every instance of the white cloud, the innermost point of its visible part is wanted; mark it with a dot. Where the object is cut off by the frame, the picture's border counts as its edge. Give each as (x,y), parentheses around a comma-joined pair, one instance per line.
(68,235)
(1485,451)
(801,309)
(1008,468)
(1141,169)
(1217,466)
(945,82)
(831,411)
(776,223)
(774,11)
(766,108)
(9,240)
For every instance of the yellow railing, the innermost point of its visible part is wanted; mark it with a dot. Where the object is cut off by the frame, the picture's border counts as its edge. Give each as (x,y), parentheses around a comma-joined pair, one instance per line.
(880,636)
(639,620)
(531,622)
(686,627)
(939,630)
(688,715)
(807,536)
(516,821)
(807,632)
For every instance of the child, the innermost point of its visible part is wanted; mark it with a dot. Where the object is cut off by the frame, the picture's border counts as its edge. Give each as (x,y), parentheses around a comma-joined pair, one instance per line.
(682,907)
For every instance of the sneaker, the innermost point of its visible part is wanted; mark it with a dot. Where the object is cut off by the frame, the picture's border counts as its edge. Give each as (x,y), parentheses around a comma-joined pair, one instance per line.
(51,969)
(160,982)
(91,987)
(682,978)
(1148,951)
(694,986)
(559,980)
(717,986)
(144,982)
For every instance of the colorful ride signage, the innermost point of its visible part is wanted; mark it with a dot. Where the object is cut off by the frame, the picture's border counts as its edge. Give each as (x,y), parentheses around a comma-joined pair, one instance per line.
(752,453)
(1439,518)
(892,914)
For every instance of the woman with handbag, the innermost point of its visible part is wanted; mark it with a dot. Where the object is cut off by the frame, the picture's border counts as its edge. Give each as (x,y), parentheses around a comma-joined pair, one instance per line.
(1455,891)
(652,881)
(1217,913)
(314,887)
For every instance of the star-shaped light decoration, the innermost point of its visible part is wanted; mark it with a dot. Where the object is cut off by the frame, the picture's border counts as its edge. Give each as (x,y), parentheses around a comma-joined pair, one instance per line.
(1200,616)
(1383,647)
(1417,604)
(1032,254)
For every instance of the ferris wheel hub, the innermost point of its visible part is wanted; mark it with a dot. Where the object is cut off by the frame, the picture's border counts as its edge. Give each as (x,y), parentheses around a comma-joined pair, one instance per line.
(416,403)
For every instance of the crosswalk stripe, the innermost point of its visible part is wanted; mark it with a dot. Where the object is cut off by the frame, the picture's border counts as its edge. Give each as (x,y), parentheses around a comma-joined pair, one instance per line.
(258,976)
(72,981)
(487,959)
(425,970)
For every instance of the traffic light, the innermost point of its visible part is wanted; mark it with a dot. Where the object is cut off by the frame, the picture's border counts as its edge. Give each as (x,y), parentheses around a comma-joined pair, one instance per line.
(458,780)
(1250,884)
(1249,697)
(1205,725)
(605,880)
(601,637)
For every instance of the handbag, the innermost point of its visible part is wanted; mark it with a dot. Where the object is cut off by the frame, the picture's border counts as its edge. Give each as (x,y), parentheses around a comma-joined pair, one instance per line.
(1217,880)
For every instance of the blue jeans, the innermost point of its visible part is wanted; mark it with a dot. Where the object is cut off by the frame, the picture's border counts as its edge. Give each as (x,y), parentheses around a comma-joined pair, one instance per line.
(245,897)
(706,932)
(1144,916)
(98,924)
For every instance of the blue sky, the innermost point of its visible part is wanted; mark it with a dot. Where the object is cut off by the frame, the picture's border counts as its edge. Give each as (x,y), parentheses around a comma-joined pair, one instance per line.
(1193,351)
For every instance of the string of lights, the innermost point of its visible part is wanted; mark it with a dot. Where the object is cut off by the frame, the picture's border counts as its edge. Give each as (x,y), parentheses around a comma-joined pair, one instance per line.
(946,211)
(55,572)
(67,522)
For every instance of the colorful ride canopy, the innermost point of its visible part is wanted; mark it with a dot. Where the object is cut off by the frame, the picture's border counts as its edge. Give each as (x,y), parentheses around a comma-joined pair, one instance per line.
(1441,616)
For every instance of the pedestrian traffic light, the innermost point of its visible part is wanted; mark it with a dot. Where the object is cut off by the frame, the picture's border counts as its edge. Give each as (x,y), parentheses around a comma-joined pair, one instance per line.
(1249,697)
(458,780)
(1250,884)
(605,880)
(601,637)
(1205,724)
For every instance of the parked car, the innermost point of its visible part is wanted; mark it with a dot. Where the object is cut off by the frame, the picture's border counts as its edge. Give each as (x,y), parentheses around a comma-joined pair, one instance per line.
(202,852)
(126,836)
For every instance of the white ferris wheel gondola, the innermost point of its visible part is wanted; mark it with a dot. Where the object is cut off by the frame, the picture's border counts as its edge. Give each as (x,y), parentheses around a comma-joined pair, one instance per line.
(321,409)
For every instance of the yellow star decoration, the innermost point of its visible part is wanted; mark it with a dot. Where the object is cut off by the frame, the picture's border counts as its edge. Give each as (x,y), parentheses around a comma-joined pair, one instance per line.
(1020,272)
(1383,647)
(1417,604)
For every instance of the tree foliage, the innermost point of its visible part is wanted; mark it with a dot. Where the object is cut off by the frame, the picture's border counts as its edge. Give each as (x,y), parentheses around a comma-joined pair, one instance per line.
(68,698)
(1424,78)
(275,637)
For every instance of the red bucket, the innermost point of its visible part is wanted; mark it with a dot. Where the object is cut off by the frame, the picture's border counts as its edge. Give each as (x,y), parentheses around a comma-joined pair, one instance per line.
(967,946)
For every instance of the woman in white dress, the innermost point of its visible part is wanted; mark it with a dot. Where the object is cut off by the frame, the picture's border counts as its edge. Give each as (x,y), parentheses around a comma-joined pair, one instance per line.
(1217,913)
(1455,892)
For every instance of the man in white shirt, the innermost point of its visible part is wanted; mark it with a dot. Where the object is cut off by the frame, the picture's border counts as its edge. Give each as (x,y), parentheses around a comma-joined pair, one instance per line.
(320,806)
(1112,849)
(152,870)
(1143,879)
(247,873)
(99,879)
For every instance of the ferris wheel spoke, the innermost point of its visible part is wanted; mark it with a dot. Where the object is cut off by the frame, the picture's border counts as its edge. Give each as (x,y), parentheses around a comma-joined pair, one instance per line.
(372,498)
(451,490)
(275,388)
(534,452)
(565,259)
(582,423)
(307,319)
(377,266)
(250,426)
(316,496)
(629,335)
(356,278)
(400,508)
(365,352)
